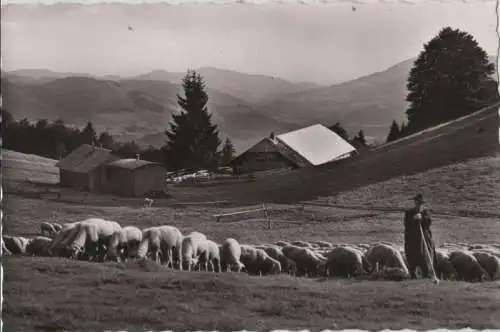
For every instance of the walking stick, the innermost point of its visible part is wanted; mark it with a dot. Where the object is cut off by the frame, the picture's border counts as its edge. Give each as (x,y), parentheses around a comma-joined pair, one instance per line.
(428,259)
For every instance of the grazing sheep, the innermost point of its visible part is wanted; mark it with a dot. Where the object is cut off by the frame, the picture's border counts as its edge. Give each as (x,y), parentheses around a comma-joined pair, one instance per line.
(489,249)
(256,261)
(489,262)
(385,256)
(287,265)
(150,245)
(230,253)
(37,246)
(49,229)
(446,269)
(16,244)
(306,260)
(346,261)
(123,244)
(283,243)
(191,250)
(93,234)
(65,236)
(467,266)
(210,256)
(302,244)
(166,240)
(5,251)
(323,244)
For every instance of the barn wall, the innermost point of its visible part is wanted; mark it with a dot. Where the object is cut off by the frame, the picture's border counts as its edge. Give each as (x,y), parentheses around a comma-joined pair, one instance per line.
(261,161)
(98,180)
(149,178)
(120,181)
(73,179)
(262,156)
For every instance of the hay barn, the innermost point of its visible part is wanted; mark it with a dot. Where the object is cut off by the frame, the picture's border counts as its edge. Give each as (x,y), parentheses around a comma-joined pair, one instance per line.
(307,147)
(85,168)
(135,177)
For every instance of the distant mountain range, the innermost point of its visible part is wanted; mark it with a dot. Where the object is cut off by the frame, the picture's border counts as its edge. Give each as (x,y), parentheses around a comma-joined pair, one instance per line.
(246,107)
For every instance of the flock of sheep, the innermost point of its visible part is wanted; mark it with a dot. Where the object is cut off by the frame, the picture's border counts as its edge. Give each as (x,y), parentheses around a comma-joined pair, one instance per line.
(101,240)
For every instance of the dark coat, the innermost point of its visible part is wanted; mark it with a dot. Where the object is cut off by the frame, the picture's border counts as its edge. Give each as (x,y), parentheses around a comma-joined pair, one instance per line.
(414,246)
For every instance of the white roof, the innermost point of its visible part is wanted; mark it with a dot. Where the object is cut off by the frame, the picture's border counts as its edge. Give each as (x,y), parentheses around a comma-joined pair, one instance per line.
(317,144)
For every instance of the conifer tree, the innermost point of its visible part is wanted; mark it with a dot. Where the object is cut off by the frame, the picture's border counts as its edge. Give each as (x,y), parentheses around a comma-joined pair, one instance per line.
(192,141)
(394,132)
(228,151)
(451,77)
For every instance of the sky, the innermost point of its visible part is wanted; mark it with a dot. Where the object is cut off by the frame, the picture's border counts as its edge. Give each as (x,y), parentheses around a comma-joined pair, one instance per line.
(322,43)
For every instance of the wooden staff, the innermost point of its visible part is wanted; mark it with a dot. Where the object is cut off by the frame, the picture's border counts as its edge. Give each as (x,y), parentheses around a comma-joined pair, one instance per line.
(428,259)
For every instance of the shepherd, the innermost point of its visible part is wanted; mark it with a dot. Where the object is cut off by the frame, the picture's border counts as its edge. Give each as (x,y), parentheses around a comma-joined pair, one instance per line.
(419,251)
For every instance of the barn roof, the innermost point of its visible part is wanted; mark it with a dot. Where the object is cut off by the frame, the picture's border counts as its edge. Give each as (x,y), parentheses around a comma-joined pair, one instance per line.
(85,158)
(317,144)
(131,163)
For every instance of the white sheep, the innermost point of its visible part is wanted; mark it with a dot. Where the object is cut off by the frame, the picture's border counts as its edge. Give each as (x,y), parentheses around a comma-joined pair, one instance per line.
(346,261)
(37,246)
(65,236)
(5,251)
(15,244)
(287,265)
(256,261)
(489,262)
(150,245)
(383,256)
(323,244)
(302,244)
(230,253)
(166,240)
(467,266)
(93,234)
(190,250)
(49,229)
(210,256)
(445,268)
(306,260)
(123,244)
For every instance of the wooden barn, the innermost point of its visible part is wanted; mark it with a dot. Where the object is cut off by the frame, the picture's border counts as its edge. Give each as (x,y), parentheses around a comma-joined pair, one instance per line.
(85,168)
(135,177)
(263,156)
(307,147)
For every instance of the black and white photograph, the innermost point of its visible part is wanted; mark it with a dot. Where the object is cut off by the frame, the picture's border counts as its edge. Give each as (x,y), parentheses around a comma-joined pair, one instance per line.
(259,166)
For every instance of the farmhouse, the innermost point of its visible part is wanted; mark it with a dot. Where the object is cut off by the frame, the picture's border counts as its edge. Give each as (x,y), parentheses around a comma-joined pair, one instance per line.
(135,177)
(310,146)
(85,168)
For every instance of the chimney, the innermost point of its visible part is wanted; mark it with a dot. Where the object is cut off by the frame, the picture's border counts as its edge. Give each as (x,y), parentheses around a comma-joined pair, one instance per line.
(271,136)
(137,157)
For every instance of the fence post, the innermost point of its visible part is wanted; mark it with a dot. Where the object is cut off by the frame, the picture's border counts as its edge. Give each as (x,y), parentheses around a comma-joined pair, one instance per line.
(267,216)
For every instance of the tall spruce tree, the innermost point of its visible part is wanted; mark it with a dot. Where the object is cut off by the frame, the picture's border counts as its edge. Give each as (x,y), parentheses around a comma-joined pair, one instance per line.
(339,130)
(360,138)
(193,141)
(227,152)
(451,77)
(394,132)
(88,135)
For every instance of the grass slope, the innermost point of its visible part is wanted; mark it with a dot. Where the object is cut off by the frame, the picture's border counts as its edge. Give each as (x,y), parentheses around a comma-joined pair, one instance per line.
(80,296)
(467,138)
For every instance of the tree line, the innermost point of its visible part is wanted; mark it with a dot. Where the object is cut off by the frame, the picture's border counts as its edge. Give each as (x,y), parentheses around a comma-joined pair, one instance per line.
(452,77)
(192,140)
